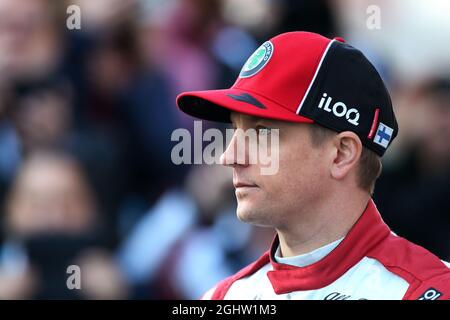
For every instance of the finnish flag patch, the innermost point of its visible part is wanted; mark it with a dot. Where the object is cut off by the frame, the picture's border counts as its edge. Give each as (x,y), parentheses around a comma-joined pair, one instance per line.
(383,135)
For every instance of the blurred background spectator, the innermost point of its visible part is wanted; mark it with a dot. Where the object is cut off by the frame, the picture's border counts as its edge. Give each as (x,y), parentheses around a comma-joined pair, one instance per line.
(51,221)
(414,189)
(86,118)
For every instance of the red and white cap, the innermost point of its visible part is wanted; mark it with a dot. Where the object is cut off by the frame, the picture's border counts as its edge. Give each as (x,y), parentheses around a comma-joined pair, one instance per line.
(305,77)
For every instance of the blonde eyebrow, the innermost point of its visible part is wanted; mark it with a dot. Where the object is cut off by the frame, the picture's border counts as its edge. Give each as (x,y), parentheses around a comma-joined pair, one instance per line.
(251,121)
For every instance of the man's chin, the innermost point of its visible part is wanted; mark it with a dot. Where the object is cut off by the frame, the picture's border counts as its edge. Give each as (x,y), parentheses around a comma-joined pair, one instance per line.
(251,216)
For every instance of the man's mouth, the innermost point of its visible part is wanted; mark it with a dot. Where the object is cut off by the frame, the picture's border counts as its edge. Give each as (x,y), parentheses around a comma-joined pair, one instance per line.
(241,184)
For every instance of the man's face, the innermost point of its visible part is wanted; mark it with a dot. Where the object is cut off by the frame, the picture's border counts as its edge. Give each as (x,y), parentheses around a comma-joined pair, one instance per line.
(279,199)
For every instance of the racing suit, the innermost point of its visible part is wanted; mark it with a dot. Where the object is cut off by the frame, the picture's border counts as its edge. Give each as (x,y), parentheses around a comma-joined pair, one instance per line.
(370,262)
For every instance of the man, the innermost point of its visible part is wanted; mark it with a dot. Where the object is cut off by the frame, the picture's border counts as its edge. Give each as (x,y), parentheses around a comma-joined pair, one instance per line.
(335,121)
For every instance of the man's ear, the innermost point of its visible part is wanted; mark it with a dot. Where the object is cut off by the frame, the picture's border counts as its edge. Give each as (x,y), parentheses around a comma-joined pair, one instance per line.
(348,148)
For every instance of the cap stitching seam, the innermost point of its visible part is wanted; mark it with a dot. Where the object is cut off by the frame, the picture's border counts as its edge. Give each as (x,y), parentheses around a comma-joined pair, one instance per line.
(322,58)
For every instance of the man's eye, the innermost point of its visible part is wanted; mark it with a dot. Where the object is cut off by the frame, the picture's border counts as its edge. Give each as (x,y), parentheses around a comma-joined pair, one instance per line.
(263,130)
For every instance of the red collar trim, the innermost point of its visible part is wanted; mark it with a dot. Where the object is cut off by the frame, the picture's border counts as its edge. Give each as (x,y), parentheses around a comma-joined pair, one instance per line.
(366,233)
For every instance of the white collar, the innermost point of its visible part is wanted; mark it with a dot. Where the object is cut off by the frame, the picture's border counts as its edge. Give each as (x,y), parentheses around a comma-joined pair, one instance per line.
(307,258)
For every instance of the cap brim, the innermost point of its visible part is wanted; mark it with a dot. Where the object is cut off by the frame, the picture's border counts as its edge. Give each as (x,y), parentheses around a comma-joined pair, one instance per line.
(216,105)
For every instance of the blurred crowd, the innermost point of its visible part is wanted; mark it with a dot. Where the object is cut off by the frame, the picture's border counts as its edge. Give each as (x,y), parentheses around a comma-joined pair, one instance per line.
(86,118)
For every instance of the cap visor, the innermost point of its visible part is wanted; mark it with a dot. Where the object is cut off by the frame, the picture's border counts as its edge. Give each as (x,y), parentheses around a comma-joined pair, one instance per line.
(216,105)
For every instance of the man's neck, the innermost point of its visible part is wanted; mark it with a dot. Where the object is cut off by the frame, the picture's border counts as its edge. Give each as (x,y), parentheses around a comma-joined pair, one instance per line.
(327,222)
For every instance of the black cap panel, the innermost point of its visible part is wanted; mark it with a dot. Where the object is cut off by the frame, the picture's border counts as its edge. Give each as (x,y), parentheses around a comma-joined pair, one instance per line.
(345,95)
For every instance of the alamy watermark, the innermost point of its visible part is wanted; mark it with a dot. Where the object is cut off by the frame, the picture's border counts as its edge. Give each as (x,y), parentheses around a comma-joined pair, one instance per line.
(74,279)
(73,21)
(252,146)
(373,21)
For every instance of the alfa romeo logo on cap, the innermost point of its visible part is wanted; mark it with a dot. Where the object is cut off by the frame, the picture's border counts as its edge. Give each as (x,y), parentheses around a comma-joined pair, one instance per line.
(257,60)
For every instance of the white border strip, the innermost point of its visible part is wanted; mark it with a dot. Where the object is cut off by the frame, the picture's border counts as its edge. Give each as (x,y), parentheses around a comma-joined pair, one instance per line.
(315,75)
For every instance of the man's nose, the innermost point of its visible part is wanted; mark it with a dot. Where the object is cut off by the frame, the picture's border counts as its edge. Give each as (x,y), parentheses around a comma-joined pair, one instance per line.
(236,153)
